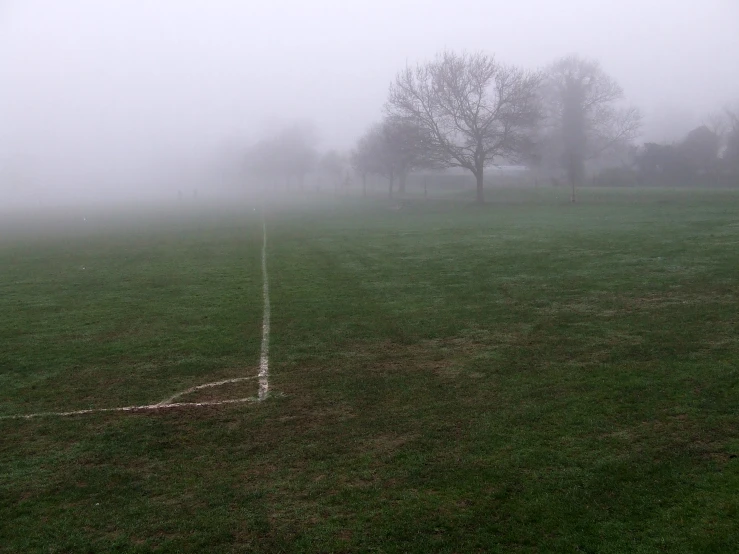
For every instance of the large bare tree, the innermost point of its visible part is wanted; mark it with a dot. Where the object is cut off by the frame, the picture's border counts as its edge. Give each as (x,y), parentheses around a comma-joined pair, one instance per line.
(584,119)
(470,109)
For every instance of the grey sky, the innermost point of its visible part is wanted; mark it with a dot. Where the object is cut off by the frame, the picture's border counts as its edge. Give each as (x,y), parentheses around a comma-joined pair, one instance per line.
(92,87)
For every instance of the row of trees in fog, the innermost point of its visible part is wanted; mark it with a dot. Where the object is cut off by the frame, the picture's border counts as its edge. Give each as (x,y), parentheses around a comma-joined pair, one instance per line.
(567,123)
(291,154)
(470,111)
(707,155)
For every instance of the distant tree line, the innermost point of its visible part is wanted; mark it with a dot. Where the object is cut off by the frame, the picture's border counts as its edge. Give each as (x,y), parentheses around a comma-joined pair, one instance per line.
(707,156)
(568,123)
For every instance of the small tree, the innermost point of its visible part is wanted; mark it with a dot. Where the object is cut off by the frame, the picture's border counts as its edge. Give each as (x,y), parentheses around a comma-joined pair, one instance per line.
(374,156)
(288,154)
(298,155)
(391,149)
(261,161)
(469,110)
(700,149)
(333,165)
(405,145)
(362,158)
(730,155)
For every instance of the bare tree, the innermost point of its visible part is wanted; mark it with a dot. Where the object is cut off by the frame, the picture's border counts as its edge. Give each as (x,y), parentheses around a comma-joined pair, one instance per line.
(298,152)
(730,155)
(469,108)
(363,158)
(583,119)
(261,162)
(404,146)
(334,166)
(719,123)
(289,154)
(374,156)
(700,149)
(725,125)
(391,149)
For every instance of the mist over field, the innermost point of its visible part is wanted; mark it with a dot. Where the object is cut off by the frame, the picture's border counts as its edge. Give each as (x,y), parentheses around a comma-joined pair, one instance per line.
(120,100)
(369,276)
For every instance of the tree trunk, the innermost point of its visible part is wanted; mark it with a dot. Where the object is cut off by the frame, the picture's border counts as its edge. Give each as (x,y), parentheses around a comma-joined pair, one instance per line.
(425,186)
(575,173)
(364,185)
(391,184)
(478,177)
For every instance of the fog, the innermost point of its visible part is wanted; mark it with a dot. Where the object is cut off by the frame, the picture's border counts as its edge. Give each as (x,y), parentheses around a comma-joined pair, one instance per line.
(119,99)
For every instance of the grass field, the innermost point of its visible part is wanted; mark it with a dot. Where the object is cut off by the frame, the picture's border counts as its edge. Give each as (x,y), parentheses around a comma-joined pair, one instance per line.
(527,376)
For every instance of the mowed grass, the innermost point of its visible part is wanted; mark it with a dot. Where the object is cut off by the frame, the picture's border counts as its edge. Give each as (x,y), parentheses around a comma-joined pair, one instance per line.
(525,376)
(109,312)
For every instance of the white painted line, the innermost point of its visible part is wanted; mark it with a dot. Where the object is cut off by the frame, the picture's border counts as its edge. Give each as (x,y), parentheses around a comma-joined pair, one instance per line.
(144,408)
(263,375)
(204,386)
(264,355)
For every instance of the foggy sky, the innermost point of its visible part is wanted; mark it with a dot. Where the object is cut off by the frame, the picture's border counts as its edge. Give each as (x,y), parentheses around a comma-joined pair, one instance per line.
(109,93)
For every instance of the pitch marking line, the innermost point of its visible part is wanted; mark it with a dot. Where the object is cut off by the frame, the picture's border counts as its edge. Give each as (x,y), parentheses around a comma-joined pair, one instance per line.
(263,375)
(144,408)
(264,355)
(204,386)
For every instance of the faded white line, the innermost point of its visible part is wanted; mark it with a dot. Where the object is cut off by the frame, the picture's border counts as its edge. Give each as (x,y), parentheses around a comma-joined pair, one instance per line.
(144,408)
(204,386)
(264,355)
(263,375)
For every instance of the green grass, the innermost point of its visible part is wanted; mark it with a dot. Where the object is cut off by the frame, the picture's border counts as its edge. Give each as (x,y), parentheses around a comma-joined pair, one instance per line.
(526,376)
